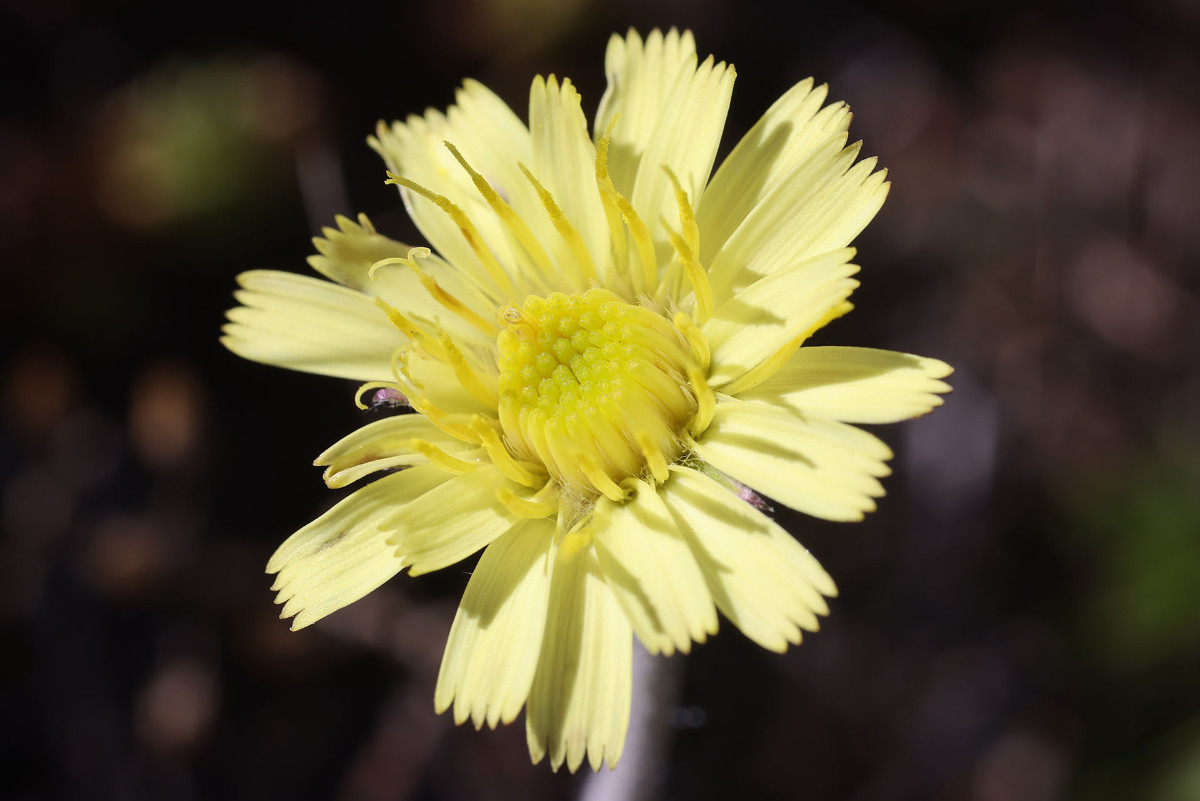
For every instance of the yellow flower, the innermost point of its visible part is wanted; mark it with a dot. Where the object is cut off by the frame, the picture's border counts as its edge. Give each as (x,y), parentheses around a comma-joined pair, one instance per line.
(604,357)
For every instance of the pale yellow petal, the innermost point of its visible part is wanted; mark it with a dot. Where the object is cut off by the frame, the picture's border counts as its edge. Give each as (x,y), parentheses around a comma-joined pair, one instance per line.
(311,325)
(579,702)
(435,381)
(855,385)
(495,144)
(344,554)
(451,522)
(493,649)
(641,75)
(820,206)
(382,445)
(348,253)
(492,139)
(762,579)
(345,254)
(821,467)
(676,113)
(765,316)
(651,570)
(786,135)
(685,140)
(564,161)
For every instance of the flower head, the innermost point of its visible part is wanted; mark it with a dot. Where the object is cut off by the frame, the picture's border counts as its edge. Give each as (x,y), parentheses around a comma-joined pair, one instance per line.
(606,359)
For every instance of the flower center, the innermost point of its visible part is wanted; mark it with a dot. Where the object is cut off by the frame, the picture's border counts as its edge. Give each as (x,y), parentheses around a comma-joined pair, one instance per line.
(594,388)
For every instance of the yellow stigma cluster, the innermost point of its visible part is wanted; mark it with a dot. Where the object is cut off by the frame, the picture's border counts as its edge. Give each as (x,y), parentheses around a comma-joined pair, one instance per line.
(596,389)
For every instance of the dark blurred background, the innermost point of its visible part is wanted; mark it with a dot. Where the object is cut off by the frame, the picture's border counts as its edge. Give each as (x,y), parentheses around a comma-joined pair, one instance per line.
(1018,621)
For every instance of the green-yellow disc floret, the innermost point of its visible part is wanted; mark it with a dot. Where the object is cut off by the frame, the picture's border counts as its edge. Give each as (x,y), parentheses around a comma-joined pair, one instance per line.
(595,388)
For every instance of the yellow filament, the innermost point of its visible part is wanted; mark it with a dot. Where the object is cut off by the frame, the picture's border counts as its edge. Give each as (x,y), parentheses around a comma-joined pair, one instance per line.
(442,459)
(686,246)
(662,388)
(609,442)
(612,213)
(695,338)
(509,410)
(409,385)
(634,410)
(666,345)
(687,220)
(653,454)
(641,238)
(564,228)
(507,215)
(706,403)
(483,392)
(763,370)
(501,457)
(532,427)
(399,320)
(411,330)
(600,480)
(535,507)
(442,420)
(647,280)
(465,226)
(770,365)
(431,285)
(575,539)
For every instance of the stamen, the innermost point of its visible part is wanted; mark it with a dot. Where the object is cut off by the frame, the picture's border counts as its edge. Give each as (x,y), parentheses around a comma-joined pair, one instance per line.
(660,387)
(686,246)
(663,345)
(502,458)
(443,421)
(706,402)
(687,219)
(466,227)
(435,290)
(411,330)
(770,365)
(483,392)
(655,459)
(533,508)
(612,214)
(442,459)
(408,384)
(575,539)
(583,259)
(647,280)
(507,215)
(695,338)
(610,443)
(600,480)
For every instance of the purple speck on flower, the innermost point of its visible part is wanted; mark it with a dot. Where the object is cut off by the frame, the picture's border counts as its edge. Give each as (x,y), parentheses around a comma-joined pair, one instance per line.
(388,397)
(754,499)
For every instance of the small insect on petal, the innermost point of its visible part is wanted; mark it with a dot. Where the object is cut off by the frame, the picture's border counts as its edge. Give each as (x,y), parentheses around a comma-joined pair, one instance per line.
(391,398)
